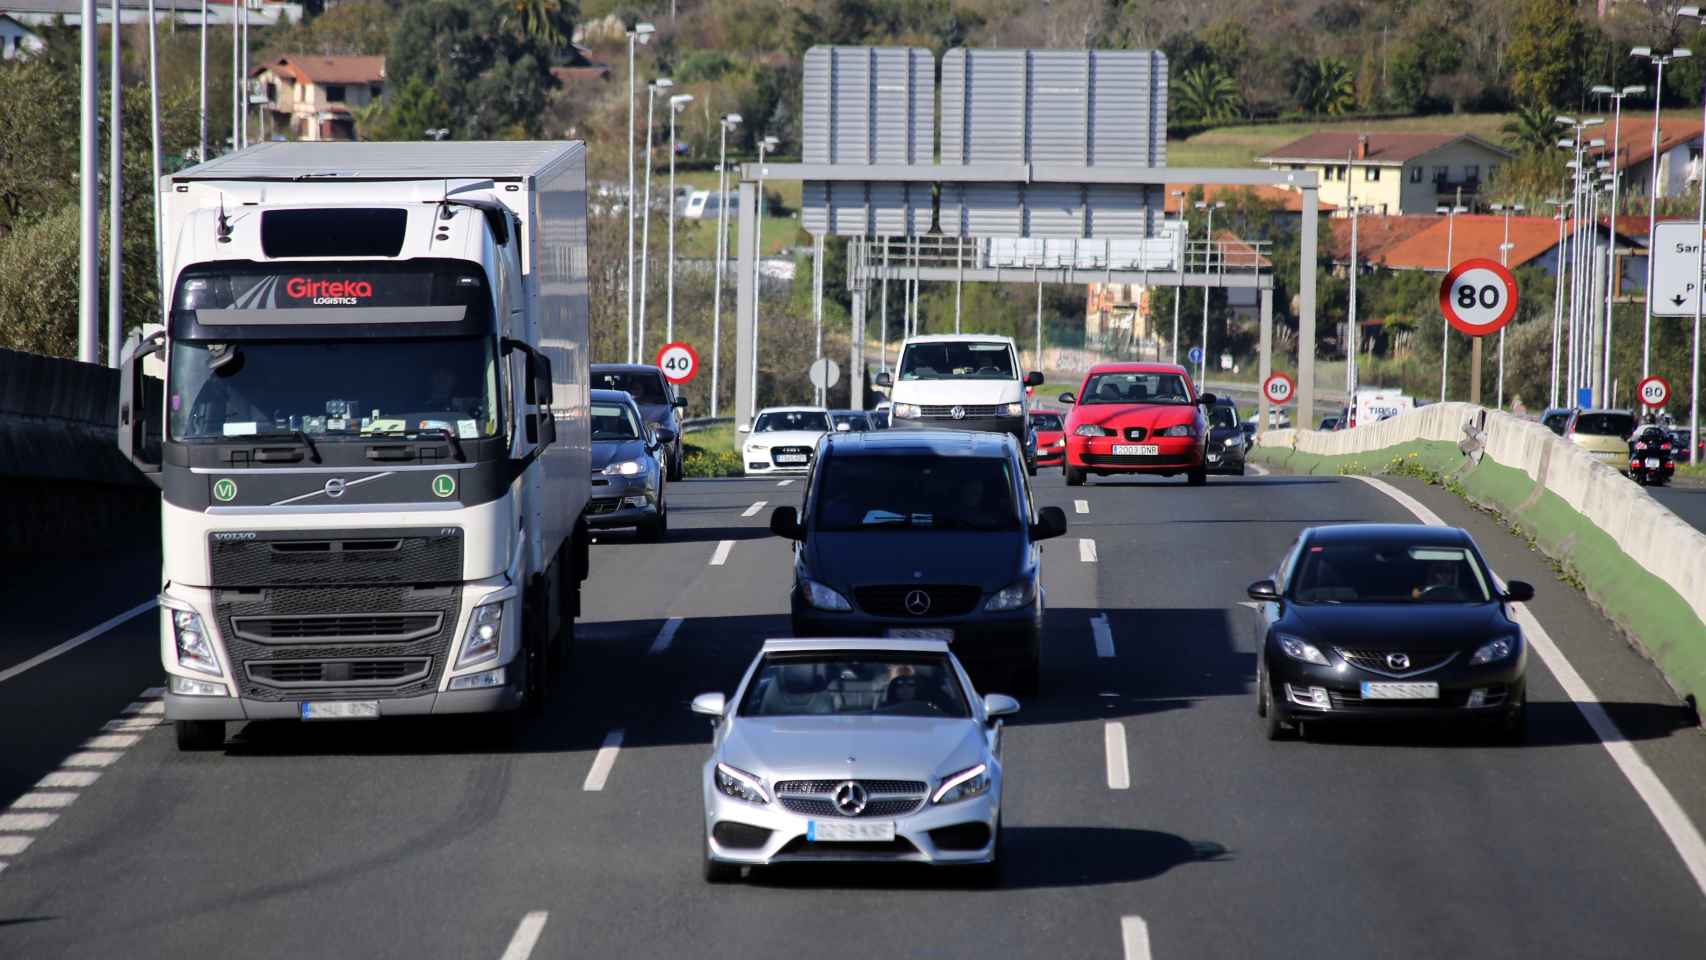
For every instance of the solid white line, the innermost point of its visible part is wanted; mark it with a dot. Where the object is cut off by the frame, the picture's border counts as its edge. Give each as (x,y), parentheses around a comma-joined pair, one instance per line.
(1258,469)
(752,511)
(91,758)
(43,800)
(1082,506)
(27,821)
(77,641)
(144,709)
(152,693)
(785,482)
(1087,550)
(665,636)
(602,763)
(12,846)
(1104,635)
(1113,739)
(1134,936)
(68,778)
(112,741)
(1683,834)
(526,936)
(721,555)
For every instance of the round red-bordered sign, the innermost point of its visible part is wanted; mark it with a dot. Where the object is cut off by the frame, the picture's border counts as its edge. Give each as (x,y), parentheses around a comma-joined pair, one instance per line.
(1654,392)
(678,361)
(1279,388)
(1478,297)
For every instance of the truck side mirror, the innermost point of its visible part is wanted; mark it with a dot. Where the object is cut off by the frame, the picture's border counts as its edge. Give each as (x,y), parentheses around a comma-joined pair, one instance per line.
(884,379)
(132,404)
(539,375)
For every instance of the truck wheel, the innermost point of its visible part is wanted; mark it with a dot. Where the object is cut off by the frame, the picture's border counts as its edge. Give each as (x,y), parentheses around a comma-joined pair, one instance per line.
(195,735)
(1074,476)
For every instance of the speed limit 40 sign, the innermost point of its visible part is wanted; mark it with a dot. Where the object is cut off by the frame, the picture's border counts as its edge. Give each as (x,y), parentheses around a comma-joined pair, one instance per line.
(1478,297)
(1279,388)
(1654,391)
(678,361)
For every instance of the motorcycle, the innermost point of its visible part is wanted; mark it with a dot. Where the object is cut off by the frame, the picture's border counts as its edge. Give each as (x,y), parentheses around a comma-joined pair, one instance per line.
(1652,458)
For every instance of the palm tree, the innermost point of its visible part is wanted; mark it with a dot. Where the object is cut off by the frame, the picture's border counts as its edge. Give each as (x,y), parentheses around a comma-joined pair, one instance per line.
(1329,87)
(1207,93)
(1530,129)
(547,21)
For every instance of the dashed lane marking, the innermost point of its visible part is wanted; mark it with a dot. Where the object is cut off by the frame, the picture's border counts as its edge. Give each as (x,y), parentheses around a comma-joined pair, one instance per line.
(145,708)
(12,846)
(92,758)
(112,741)
(1082,506)
(1134,938)
(526,936)
(602,763)
(1087,550)
(785,482)
(27,821)
(666,635)
(43,800)
(1683,834)
(1104,635)
(60,779)
(720,556)
(76,641)
(752,511)
(1119,771)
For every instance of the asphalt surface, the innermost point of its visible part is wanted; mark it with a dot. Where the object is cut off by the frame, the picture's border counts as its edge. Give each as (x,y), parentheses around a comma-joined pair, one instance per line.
(429,839)
(1687,502)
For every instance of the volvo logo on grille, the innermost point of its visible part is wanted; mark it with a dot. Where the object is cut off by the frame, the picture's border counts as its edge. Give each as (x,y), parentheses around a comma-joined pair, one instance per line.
(850,798)
(1398,661)
(917,603)
(335,487)
(957,412)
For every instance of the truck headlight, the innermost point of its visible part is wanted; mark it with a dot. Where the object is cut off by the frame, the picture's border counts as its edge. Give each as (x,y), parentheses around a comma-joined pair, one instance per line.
(1012,409)
(485,632)
(820,597)
(973,782)
(737,783)
(1179,430)
(626,468)
(1492,652)
(195,649)
(906,411)
(1014,596)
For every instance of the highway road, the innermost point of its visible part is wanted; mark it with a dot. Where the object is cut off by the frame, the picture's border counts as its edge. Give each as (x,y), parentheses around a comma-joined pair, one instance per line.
(1687,502)
(420,839)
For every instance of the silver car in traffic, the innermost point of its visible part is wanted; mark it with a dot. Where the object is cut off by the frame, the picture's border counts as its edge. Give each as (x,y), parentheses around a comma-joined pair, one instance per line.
(853,750)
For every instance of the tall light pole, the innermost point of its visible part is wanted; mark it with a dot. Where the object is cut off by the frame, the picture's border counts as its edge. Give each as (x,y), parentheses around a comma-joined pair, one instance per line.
(1504,261)
(237,84)
(88,187)
(1179,291)
(661,83)
(1561,270)
(1352,330)
(729,122)
(1581,260)
(641,35)
(764,145)
(1208,252)
(1611,248)
(677,104)
(243,88)
(1445,337)
(115,197)
(1700,271)
(154,154)
(201,154)
(1658,61)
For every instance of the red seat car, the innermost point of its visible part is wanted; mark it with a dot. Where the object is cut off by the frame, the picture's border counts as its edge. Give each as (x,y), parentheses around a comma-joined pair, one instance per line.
(1051,437)
(1136,418)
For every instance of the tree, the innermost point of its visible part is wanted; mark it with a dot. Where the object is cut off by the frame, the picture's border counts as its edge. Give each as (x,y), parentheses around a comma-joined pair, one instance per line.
(1327,86)
(403,114)
(491,80)
(547,22)
(1207,93)
(1531,129)
(1546,52)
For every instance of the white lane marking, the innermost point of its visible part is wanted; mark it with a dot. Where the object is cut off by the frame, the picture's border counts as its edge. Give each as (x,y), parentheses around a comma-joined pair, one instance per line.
(1113,740)
(1087,550)
(721,555)
(12,846)
(128,724)
(77,641)
(144,709)
(526,936)
(92,758)
(752,511)
(1082,506)
(1104,635)
(26,821)
(1134,937)
(665,636)
(1258,469)
(152,693)
(785,482)
(1683,834)
(112,741)
(43,800)
(602,763)
(68,778)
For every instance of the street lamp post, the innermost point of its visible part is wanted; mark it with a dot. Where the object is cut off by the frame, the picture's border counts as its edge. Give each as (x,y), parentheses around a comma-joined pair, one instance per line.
(765,145)
(677,104)
(115,198)
(201,154)
(1560,271)
(1700,271)
(1208,252)
(1579,200)
(661,83)
(1445,337)
(1611,247)
(1352,330)
(1504,260)
(1179,291)
(641,35)
(1658,61)
(729,122)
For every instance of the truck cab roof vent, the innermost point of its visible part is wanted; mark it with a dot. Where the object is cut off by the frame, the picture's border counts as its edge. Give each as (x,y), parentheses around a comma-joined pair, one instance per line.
(333,232)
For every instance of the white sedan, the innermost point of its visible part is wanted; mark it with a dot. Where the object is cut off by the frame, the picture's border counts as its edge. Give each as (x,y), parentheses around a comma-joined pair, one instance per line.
(782,439)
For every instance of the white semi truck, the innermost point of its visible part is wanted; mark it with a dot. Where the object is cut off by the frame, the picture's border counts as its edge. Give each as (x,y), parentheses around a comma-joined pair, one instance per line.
(375,445)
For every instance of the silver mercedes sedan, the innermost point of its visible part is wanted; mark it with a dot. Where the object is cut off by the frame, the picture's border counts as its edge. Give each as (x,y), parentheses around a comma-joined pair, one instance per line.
(853,750)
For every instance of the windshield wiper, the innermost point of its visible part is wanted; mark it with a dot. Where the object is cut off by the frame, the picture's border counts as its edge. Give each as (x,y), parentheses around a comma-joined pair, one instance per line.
(445,432)
(296,435)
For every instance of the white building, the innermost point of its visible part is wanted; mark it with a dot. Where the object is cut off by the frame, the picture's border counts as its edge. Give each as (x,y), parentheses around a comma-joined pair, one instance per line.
(16,39)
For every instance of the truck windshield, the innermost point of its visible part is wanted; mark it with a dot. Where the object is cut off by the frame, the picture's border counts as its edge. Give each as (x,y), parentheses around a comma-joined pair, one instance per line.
(332,389)
(957,360)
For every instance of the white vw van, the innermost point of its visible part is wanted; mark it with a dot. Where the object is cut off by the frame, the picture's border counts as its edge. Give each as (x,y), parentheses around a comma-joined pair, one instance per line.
(961,382)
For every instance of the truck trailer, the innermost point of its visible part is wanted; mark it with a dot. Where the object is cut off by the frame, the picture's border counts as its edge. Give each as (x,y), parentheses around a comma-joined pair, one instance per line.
(374,441)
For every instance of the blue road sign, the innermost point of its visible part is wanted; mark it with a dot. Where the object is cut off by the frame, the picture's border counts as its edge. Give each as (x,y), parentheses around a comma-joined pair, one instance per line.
(1195,355)
(1584,398)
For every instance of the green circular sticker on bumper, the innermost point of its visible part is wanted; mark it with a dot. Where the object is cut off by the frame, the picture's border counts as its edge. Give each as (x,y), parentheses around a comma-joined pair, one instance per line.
(444,485)
(225,491)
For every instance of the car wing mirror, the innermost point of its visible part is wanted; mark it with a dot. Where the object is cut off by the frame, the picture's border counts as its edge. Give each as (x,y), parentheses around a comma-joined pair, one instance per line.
(998,705)
(1518,591)
(1051,523)
(785,523)
(1263,590)
(710,704)
(664,435)
(884,379)
(1067,397)
(1034,379)
(743,428)
(679,403)
(1208,399)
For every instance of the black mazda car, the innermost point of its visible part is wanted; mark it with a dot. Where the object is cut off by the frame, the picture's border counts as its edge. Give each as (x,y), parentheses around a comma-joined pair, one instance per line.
(1386,622)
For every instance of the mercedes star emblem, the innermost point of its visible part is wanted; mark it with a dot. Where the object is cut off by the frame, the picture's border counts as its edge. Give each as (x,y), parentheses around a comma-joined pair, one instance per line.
(918,603)
(850,798)
(335,487)
(1398,661)
(958,413)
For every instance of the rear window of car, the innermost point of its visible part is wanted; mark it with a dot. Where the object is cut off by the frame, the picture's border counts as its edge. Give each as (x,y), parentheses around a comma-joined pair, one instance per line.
(1222,416)
(644,387)
(1605,424)
(1046,421)
(851,683)
(1556,422)
(915,492)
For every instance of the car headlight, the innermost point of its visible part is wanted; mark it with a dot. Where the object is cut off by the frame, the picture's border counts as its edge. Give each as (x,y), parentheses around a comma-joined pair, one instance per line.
(195,648)
(737,783)
(906,411)
(1234,442)
(968,783)
(1014,596)
(1012,409)
(820,597)
(1300,649)
(626,468)
(1492,651)
(1179,430)
(1093,430)
(485,632)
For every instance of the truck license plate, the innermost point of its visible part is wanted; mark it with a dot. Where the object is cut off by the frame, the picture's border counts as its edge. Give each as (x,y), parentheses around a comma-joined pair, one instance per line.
(1400,691)
(340,710)
(824,830)
(1136,450)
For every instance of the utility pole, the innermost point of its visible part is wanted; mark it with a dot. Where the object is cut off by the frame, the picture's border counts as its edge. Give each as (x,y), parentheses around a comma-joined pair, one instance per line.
(88,186)
(641,34)
(115,196)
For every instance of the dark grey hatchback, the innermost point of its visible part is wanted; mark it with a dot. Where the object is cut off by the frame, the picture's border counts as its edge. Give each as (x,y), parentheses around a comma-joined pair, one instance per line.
(926,533)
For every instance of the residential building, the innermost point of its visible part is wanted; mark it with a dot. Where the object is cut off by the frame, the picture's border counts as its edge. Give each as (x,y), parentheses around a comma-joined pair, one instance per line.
(314,98)
(1678,153)
(16,39)
(1394,173)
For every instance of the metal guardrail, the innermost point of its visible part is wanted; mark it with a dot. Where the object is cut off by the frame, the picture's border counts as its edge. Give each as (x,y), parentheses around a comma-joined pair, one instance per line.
(695,424)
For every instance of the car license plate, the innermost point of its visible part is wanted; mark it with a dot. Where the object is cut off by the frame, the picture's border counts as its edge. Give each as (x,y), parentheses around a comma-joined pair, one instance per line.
(1652,463)
(850,832)
(922,633)
(340,710)
(790,458)
(1136,450)
(1400,691)
(1214,458)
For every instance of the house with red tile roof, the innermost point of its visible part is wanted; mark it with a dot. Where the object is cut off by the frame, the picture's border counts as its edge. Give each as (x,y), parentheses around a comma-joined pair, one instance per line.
(1393,173)
(314,98)
(1678,153)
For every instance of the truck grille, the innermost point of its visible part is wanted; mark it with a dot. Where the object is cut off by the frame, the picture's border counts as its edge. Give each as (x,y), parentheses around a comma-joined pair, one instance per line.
(946,412)
(301,558)
(341,627)
(301,673)
(945,600)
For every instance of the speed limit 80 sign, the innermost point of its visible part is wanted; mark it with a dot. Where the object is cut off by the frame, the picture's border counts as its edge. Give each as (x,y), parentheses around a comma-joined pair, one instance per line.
(678,361)
(1478,297)
(1654,391)
(1278,388)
